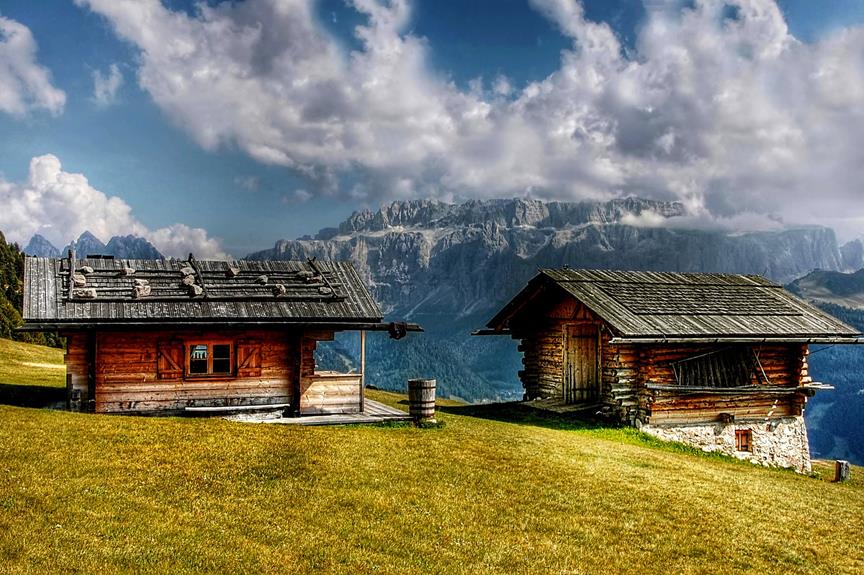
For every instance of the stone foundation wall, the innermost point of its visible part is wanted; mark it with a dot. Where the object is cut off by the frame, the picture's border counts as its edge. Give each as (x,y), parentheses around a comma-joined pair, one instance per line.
(779,442)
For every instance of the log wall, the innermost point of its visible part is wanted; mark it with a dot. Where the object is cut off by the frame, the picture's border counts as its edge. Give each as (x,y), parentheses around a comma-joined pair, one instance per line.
(128,379)
(784,366)
(541,330)
(330,392)
(628,370)
(76,371)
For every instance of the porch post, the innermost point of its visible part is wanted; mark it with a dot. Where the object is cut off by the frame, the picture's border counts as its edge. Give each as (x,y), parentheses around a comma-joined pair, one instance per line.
(362,369)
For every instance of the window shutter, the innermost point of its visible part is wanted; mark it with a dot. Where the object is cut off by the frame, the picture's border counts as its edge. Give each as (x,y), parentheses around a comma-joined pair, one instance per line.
(170,359)
(249,358)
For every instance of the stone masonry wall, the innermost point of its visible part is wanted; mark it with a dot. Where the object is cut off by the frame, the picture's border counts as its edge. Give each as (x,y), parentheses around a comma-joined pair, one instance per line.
(778,442)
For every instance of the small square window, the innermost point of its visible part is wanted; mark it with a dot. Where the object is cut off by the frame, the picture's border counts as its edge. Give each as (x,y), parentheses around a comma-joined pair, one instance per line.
(744,440)
(222,358)
(198,356)
(210,359)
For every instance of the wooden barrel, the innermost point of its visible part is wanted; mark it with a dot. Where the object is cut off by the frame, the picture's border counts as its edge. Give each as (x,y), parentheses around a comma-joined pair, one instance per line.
(421,398)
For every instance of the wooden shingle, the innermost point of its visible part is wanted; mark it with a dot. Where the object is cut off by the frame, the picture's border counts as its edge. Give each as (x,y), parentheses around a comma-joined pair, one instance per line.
(655,305)
(332,292)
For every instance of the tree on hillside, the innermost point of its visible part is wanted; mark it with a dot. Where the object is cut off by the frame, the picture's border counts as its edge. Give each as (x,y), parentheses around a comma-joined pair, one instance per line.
(12,296)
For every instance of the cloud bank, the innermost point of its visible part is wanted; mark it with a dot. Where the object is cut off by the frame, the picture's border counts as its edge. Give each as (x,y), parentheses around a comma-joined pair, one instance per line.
(718,105)
(25,85)
(73,206)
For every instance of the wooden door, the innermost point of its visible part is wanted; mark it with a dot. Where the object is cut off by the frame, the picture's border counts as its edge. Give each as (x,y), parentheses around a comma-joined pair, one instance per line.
(581,381)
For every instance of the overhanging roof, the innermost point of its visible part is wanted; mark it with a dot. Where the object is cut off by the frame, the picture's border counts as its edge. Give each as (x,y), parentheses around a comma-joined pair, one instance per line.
(651,307)
(320,293)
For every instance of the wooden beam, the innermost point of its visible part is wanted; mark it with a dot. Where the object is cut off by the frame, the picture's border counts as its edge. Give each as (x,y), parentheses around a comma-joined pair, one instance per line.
(197,269)
(238,323)
(91,371)
(738,339)
(295,357)
(362,369)
(71,255)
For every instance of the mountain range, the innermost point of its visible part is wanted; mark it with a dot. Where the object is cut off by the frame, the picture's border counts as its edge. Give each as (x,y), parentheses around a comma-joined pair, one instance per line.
(126,247)
(426,257)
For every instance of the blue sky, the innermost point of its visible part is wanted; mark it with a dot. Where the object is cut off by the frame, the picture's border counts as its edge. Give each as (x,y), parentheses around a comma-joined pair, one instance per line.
(147,142)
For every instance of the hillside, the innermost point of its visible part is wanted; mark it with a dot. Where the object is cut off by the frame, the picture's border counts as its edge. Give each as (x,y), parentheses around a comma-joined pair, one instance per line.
(494,490)
(831,287)
(834,418)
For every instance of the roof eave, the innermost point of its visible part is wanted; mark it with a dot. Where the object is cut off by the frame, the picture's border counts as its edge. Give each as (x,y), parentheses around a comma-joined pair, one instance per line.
(368,324)
(720,339)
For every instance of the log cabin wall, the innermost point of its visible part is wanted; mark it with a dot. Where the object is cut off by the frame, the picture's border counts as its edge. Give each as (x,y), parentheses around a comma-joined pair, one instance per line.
(621,379)
(782,366)
(76,371)
(628,369)
(542,326)
(270,367)
(128,376)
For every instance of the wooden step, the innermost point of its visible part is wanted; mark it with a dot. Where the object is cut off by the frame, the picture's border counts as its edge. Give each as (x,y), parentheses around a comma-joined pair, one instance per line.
(234,409)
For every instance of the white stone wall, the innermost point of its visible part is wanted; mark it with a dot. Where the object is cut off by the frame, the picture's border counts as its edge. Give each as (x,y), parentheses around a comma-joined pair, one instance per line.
(780,442)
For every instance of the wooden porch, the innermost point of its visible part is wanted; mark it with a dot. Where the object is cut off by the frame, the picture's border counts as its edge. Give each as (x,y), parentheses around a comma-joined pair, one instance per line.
(373,412)
(559,406)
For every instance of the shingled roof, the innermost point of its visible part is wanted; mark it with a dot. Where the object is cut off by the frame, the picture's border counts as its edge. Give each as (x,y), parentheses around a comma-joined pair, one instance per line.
(139,292)
(654,306)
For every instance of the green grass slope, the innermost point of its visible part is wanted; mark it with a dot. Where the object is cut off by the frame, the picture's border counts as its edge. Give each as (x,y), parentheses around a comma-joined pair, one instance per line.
(493,490)
(30,375)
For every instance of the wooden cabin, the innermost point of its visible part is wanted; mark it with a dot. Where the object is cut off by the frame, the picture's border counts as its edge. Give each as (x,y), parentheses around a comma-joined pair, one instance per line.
(713,360)
(170,336)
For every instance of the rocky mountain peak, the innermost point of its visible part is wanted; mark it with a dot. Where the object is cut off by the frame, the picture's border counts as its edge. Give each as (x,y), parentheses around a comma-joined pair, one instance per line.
(39,246)
(126,247)
(86,244)
(132,247)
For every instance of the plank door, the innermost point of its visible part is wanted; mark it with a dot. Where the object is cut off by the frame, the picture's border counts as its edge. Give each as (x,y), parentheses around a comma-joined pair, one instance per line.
(581,381)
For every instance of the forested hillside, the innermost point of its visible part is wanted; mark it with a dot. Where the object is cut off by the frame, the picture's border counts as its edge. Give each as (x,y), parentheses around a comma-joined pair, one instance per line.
(11,294)
(834,417)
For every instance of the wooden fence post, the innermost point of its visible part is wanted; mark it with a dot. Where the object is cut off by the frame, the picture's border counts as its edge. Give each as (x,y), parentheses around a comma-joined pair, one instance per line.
(842,471)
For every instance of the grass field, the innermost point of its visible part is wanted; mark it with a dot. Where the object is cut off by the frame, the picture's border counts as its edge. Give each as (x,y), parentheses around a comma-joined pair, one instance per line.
(30,375)
(493,490)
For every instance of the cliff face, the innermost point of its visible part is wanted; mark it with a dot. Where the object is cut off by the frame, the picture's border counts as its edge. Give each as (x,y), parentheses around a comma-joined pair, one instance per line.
(425,257)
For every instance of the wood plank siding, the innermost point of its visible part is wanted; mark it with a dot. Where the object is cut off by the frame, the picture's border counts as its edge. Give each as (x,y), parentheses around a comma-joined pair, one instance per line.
(146,371)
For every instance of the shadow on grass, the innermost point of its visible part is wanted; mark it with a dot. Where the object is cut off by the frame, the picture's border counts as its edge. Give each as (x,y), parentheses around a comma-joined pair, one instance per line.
(518,413)
(31,395)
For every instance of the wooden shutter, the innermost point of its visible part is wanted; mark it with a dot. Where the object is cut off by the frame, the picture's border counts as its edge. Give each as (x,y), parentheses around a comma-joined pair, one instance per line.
(169,363)
(248,358)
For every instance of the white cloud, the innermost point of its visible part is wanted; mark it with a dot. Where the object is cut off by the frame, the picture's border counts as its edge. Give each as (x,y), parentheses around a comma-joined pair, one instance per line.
(731,115)
(105,87)
(61,205)
(25,85)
